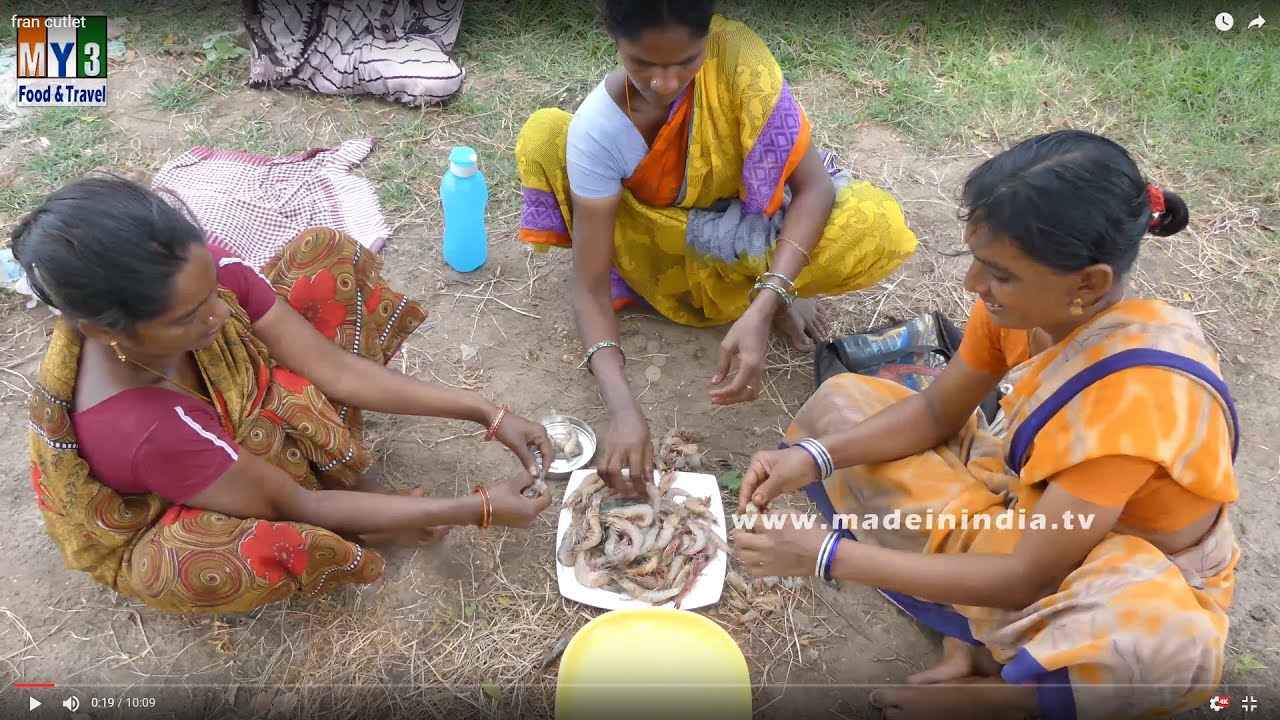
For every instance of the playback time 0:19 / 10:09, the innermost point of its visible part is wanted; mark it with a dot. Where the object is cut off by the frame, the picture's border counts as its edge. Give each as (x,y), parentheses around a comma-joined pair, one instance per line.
(123,701)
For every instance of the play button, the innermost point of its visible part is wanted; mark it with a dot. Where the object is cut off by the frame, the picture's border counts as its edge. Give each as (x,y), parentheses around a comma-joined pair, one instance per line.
(34,704)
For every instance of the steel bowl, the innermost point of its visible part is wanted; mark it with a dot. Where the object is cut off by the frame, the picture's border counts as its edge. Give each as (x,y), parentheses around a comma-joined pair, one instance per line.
(559,425)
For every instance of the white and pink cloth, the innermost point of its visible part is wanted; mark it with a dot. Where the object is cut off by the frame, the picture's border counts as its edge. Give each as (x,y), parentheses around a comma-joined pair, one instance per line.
(253,205)
(395,49)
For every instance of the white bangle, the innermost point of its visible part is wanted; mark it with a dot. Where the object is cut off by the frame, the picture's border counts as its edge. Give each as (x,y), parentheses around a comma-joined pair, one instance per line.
(828,545)
(826,466)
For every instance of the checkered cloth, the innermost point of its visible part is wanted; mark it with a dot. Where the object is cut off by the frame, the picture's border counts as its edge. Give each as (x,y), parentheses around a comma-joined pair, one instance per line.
(254,205)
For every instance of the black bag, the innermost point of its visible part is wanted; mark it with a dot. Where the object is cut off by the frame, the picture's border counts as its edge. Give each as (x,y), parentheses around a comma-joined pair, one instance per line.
(911,353)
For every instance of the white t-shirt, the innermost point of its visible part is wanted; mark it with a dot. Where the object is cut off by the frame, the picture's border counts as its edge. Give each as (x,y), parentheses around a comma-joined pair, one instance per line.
(604,147)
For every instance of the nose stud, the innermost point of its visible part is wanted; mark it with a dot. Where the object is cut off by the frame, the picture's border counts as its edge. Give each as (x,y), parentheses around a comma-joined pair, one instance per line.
(653,83)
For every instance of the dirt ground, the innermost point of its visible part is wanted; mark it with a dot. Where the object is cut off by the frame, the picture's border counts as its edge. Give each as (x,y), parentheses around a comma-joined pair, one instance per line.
(462,627)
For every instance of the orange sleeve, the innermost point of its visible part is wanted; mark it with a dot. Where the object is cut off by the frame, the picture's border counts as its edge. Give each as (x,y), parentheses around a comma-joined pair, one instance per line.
(1107,481)
(980,347)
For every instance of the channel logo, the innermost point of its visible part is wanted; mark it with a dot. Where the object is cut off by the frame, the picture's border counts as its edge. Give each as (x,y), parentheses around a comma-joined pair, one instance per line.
(62,60)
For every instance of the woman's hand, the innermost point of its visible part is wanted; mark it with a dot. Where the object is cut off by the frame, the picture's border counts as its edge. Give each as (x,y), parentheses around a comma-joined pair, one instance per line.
(518,434)
(785,552)
(775,473)
(748,341)
(511,508)
(627,444)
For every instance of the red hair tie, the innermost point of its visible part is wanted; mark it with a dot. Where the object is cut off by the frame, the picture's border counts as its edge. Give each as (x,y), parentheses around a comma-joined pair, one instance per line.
(1156,196)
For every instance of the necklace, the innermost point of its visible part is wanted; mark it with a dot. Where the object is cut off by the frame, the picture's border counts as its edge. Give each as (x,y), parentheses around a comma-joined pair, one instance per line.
(120,354)
(157,373)
(627,89)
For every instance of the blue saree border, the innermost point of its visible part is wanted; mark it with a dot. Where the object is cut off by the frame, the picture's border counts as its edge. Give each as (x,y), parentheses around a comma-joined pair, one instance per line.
(938,617)
(1025,435)
(1053,688)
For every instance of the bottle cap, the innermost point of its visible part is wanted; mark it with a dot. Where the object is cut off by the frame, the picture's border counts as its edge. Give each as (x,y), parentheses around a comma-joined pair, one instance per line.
(462,161)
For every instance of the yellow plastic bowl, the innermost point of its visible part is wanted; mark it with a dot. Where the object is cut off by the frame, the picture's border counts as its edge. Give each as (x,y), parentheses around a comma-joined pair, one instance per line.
(642,662)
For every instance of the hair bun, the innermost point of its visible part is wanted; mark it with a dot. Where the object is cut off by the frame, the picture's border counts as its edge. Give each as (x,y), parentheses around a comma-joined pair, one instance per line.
(1175,218)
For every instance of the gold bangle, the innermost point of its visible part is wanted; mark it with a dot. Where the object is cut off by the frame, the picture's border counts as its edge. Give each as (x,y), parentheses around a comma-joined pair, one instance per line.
(787,297)
(790,283)
(486,508)
(807,260)
(492,430)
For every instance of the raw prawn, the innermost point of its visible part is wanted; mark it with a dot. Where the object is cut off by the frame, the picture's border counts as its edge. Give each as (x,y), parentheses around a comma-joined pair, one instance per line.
(650,551)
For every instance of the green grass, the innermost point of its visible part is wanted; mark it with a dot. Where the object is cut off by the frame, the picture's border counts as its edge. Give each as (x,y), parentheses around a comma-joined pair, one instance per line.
(79,140)
(1197,106)
(411,159)
(256,133)
(176,96)
(157,24)
(1197,103)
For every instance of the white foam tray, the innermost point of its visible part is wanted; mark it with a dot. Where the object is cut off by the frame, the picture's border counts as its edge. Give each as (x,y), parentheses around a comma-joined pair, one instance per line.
(706,590)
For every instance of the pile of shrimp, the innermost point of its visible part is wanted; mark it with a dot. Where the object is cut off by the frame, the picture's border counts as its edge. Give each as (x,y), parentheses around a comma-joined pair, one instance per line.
(651,551)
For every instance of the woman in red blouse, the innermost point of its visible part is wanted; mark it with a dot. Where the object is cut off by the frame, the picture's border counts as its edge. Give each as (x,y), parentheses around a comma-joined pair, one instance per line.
(196,430)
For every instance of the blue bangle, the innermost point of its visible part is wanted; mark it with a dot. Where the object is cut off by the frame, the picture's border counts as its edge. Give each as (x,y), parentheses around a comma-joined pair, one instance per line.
(831,557)
(812,456)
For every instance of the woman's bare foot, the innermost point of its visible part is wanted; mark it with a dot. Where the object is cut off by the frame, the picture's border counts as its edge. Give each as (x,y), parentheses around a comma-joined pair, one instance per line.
(804,324)
(977,698)
(959,660)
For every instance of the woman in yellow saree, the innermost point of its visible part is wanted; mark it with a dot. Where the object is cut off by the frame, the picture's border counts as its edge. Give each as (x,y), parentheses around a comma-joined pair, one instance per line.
(688,182)
(1077,553)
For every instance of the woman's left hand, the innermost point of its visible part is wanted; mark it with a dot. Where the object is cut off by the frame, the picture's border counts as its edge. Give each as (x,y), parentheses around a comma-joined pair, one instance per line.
(748,341)
(518,434)
(784,552)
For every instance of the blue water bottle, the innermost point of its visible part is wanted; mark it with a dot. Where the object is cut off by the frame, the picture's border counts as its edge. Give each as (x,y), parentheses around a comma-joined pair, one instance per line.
(465,195)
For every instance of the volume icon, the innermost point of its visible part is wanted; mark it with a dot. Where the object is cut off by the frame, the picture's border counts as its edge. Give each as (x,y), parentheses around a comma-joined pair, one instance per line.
(72,703)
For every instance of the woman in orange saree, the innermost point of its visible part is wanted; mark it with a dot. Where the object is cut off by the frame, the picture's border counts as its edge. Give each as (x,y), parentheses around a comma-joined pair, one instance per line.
(197,425)
(1077,554)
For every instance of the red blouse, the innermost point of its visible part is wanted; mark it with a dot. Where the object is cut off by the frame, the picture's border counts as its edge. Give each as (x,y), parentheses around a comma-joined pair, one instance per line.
(157,440)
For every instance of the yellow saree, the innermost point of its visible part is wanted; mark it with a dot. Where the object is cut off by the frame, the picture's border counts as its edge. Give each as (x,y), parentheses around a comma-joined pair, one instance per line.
(183,559)
(700,215)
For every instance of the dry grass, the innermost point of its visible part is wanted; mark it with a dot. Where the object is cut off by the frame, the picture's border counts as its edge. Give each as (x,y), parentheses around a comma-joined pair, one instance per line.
(482,651)
(1222,269)
(1223,272)
(25,641)
(470,639)
(480,645)
(468,642)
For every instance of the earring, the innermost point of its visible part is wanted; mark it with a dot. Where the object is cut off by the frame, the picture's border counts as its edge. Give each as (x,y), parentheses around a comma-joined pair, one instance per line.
(115,345)
(653,83)
(1077,307)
